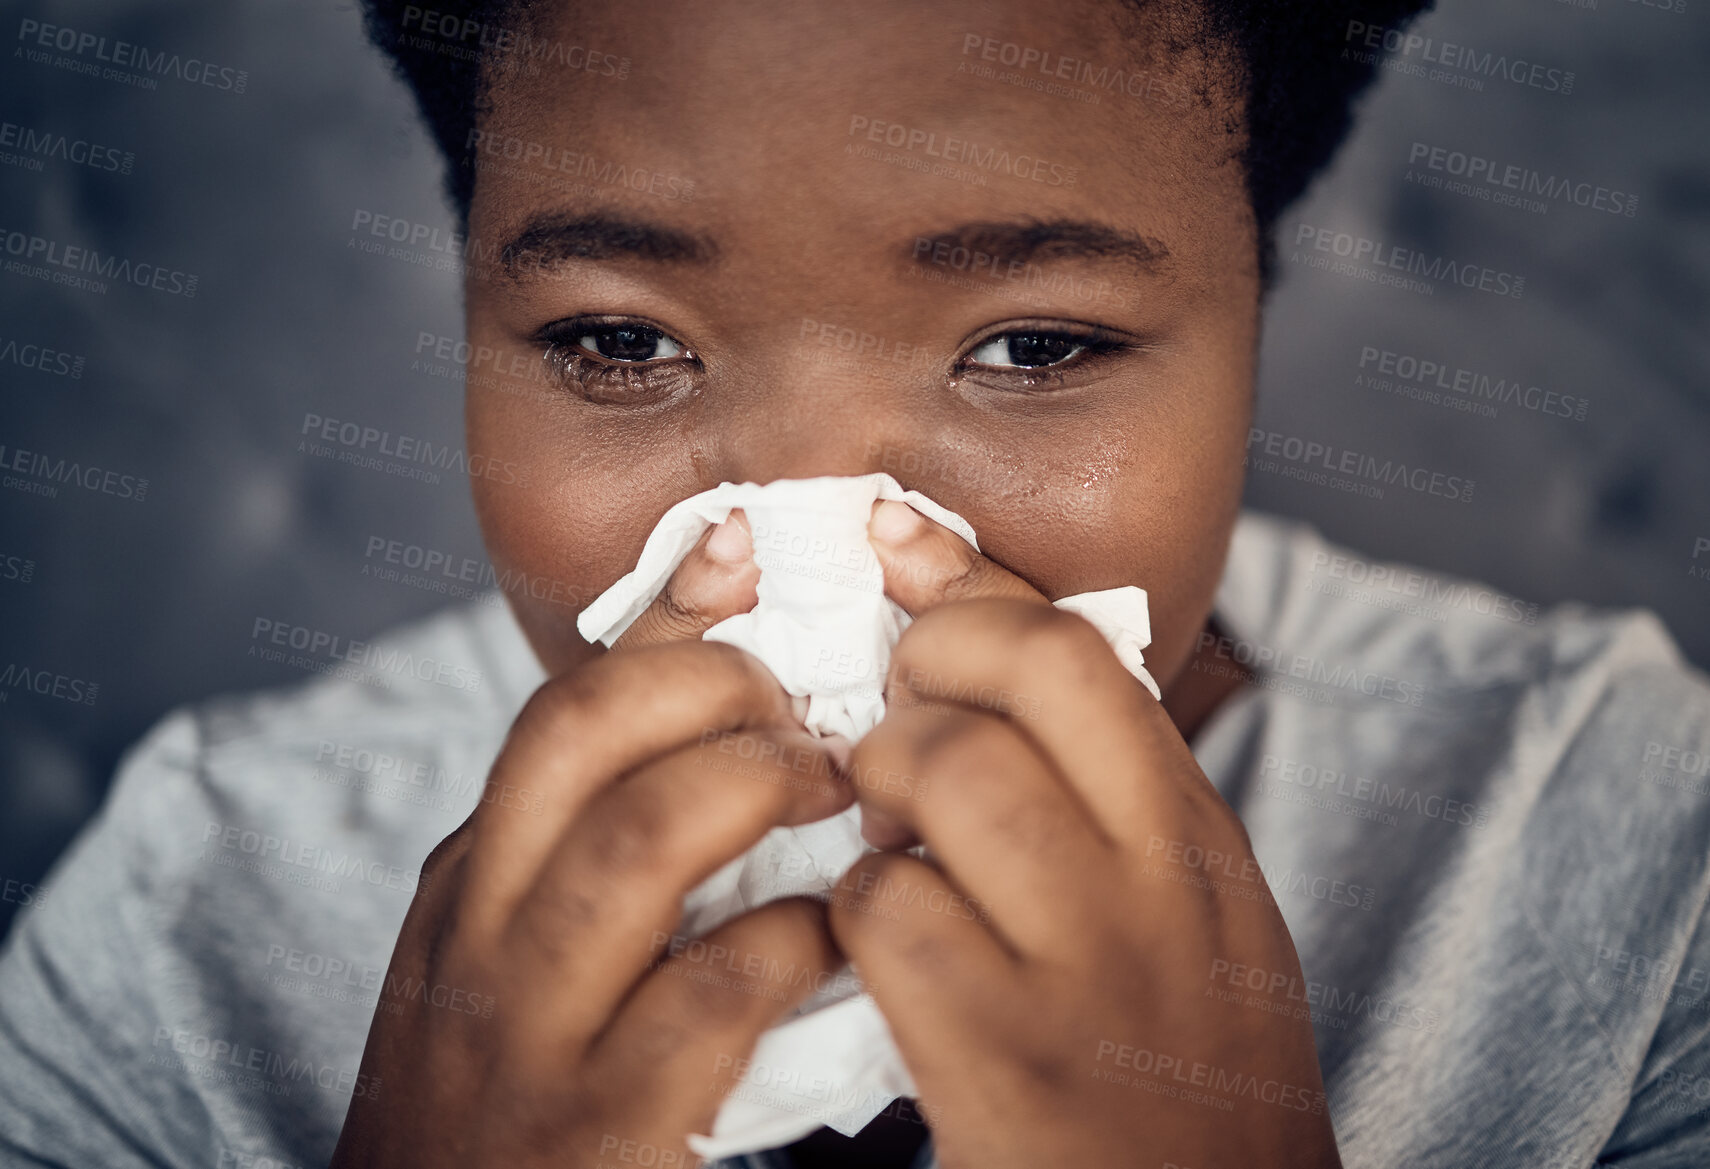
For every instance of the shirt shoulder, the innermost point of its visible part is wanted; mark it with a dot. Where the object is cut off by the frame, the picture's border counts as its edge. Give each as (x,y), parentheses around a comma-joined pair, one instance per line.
(200,977)
(1528,790)
(468,664)
(1287,590)
(1571,711)
(1467,672)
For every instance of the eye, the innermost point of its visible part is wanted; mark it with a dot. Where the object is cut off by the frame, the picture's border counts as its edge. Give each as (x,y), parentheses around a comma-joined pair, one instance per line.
(629,343)
(617,361)
(1030,355)
(1026,350)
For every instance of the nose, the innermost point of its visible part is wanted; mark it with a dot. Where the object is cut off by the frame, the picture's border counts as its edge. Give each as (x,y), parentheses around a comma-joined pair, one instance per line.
(815,409)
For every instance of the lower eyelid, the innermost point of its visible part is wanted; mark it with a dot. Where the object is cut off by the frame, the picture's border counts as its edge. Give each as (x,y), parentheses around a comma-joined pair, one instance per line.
(605,382)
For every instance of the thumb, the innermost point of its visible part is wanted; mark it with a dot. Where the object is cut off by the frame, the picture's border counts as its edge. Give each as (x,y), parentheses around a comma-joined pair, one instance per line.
(716,580)
(926,564)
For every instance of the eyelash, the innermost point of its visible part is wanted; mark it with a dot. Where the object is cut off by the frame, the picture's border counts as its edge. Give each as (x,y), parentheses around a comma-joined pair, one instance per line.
(1096,346)
(603,379)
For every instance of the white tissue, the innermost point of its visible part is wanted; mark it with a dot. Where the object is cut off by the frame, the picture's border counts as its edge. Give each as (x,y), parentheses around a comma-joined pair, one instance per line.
(825,628)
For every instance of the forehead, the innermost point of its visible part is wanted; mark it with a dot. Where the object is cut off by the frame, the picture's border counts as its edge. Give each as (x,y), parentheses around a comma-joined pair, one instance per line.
(864,122)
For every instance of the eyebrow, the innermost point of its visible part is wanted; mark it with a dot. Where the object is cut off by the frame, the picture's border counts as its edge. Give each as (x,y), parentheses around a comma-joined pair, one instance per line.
(988,244)
(550,239)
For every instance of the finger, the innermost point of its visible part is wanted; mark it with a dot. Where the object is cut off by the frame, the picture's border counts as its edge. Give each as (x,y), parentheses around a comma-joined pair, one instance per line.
(1101,730)
(582,730)
(613,889)
(935,971)
(926,564)
(717,579)
(684,1038)
(994,816)
(885,832)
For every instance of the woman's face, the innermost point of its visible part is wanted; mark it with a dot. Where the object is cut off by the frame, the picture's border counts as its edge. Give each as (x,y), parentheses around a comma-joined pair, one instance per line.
(913,243)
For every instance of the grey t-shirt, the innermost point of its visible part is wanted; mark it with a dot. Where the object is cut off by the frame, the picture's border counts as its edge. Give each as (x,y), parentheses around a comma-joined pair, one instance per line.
(1485,826)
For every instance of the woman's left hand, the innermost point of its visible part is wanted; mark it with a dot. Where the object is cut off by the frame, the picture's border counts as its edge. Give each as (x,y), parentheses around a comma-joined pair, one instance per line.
(1091,969)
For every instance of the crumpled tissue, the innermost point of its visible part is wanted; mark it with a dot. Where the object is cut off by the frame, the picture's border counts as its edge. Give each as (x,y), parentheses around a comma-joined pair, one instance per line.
(825,628)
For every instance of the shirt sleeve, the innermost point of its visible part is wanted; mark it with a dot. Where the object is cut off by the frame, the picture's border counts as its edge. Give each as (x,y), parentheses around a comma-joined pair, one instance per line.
(1667,1122)
(77,1000)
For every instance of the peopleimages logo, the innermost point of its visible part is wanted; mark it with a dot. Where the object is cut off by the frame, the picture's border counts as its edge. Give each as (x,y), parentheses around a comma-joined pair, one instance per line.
(441,248)
(35,473)
(298,854)
(19,676)
(961,151)
(1269,660)
(451,33)
(1434,593)
(1400,263)
(575,164)
(67,258)
(1474,385)
(125,56)
(367,655)
(1462,61)
(1493,174)
(1285,987)
(46,144)
(1052,67)
(282,1071)
(1328,780)
(41,357)
(373,448)
(1265,448)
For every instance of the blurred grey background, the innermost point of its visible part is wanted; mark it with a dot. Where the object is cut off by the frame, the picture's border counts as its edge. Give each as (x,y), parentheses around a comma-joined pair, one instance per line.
(256,192)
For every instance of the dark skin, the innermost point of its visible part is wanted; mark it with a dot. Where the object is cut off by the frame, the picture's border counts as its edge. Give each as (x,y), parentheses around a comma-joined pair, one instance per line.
(1092,433)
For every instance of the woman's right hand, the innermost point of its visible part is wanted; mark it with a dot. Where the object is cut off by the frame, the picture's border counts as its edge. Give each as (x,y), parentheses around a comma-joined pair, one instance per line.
(530,1014)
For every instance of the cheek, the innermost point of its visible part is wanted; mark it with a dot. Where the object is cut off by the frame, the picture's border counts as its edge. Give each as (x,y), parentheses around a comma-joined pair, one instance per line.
(1150,501)
(578,521)
(1175,537)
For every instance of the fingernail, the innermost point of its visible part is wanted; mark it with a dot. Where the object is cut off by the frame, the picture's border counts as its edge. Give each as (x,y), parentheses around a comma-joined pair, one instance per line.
(729,543)
(895,523)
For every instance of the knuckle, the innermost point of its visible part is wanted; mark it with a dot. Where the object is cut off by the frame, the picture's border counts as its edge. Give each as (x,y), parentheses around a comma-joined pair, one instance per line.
(706,999)
(1207,810)
(559,706)
(553,924)
(445,861)
(1042,1072)
(720,673)
(675,609)
(958,578)
(663,1031)
(940,627)
(1036,828)
(927,629)
(855,906)
(952,747)
(877,911)
(799,919)
(1059,643)
(747,796)
(633,840)
(453,962)
(744,687)
(726,658)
